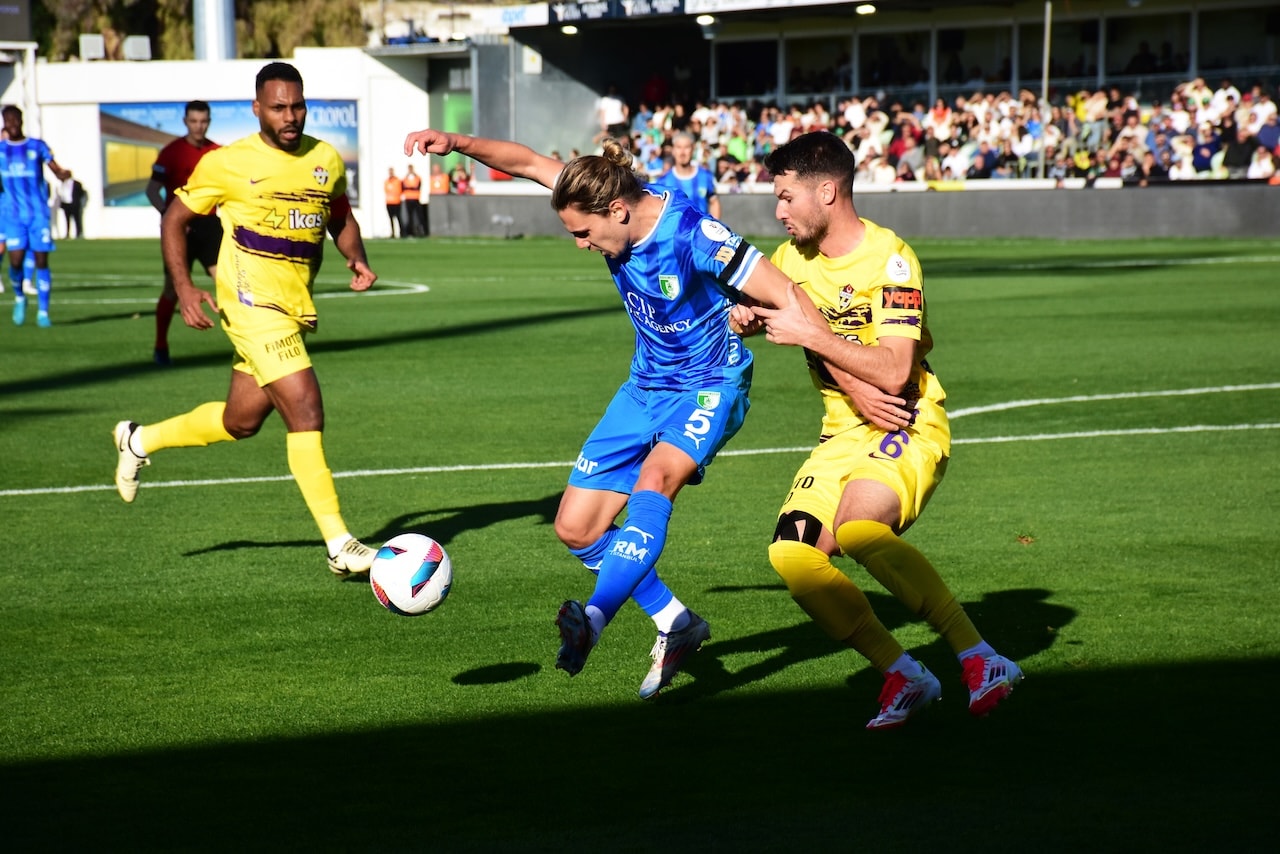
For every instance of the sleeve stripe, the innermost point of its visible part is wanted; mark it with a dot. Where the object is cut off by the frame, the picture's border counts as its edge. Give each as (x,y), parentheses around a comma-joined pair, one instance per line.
(741,266)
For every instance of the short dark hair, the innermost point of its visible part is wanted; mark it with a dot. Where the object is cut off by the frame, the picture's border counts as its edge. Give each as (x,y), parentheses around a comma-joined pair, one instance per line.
(10,108)
(196,107)
(814,154)
(277,71)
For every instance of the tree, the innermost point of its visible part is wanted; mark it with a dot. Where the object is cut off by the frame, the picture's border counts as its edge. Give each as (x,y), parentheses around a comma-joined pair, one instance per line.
(264,28)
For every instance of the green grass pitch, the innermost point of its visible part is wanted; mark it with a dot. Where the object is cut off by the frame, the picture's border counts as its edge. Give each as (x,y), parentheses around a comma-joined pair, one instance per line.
(185,674)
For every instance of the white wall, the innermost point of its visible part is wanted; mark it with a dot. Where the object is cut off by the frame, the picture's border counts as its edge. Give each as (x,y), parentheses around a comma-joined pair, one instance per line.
(391,96)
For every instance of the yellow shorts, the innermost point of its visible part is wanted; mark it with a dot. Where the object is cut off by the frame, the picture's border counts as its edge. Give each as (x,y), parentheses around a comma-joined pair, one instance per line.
(908,462)
(269,345)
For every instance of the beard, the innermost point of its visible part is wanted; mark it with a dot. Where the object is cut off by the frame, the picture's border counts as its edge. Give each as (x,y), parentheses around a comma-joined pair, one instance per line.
(285,144)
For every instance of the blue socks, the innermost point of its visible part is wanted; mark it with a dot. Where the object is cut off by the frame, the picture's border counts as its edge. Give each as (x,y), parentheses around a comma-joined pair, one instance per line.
(626,567)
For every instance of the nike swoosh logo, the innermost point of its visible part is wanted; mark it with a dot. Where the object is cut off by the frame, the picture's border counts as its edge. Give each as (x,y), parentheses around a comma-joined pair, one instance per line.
(256,180)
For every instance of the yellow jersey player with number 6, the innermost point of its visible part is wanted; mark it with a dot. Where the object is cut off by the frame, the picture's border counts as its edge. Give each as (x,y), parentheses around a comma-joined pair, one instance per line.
(885,438)
(277,193)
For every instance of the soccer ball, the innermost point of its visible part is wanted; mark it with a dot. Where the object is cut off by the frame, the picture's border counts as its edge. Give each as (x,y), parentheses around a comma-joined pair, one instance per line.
(411,575)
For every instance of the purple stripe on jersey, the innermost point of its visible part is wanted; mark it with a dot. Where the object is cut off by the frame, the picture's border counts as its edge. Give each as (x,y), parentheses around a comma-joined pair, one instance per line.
(295,250)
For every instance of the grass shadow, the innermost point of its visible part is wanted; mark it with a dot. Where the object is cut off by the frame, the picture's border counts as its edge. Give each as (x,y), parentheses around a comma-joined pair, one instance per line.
(1115,760)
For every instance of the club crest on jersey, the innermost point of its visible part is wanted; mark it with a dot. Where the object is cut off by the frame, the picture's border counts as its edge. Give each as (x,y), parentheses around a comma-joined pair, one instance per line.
(897,268)
(670,286)
(708,399)
(321,175)
(846,297)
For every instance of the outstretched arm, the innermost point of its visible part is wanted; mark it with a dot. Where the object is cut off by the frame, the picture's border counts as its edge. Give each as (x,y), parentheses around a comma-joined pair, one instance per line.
(503,155)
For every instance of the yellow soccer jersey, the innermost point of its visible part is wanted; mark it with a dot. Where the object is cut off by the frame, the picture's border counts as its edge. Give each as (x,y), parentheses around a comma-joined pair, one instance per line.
(875,291)
(274,207)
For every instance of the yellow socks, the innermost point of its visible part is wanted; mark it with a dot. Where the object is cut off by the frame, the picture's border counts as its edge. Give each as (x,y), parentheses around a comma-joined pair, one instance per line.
(908,575)
(833,601)
(195,429)
(315,481)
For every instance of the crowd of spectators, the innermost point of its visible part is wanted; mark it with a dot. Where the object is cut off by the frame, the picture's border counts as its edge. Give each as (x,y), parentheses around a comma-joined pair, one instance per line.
(1199,133)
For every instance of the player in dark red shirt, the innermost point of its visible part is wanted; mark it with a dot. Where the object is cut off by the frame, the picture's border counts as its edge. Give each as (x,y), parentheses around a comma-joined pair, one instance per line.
(173,167)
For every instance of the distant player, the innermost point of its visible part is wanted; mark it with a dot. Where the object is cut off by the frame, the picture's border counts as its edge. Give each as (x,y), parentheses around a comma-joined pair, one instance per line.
(691,178)
(278,191)
(172,168)
(25,216)
(677,272)
(864,485)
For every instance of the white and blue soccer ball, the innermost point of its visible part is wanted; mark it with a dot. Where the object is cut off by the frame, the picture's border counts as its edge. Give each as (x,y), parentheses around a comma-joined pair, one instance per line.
(411,575)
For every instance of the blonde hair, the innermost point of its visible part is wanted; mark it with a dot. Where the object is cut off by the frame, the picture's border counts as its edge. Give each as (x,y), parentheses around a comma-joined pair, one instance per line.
(591,182)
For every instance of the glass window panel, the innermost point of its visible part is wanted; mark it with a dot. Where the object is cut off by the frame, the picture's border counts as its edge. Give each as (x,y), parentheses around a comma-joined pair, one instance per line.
(746,69)
(819,64)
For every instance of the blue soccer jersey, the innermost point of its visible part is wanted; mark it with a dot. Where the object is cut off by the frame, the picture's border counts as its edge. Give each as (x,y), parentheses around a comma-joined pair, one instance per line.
(26,195)
(678,284)
(700,188)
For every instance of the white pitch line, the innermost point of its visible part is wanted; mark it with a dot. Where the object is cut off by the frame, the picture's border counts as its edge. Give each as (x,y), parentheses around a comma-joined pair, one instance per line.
(229,481)
(1125,395)
(393,289)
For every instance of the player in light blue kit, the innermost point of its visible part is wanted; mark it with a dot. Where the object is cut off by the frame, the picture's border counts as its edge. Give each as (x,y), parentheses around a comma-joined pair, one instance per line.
(678,272)
(690,178)
(24,211)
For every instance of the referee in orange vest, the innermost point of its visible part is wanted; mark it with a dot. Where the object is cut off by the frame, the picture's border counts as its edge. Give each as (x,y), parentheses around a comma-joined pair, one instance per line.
(411,202)
(394,189)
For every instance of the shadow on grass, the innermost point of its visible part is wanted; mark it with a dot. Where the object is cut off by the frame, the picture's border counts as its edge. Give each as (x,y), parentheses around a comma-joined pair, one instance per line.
(1143,758)
(143,364)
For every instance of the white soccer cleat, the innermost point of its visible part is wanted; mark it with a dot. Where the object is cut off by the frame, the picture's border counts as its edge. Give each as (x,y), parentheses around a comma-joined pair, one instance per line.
(128,464)
(902,697)
(989,681)
(353,557)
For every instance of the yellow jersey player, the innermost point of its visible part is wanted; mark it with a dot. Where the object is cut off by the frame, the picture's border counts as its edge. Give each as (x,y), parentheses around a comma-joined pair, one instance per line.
(885,436)
(277,192)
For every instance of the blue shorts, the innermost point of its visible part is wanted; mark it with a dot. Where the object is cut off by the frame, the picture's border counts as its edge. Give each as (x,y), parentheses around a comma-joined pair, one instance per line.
(697,421)
(33,234)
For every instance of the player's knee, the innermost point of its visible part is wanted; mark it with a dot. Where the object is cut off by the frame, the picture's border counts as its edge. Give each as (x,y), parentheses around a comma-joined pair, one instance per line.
(574,536)
(798,564)
(240,428)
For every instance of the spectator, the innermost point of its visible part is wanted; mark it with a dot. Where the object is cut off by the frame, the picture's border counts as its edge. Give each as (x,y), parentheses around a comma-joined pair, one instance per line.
(71,199)
(910,153)
(411,224)
(1207,145)
(438,182)
(392,190)
(1149,171)
(1268,133)
(611,113)
(984,161)
(1239,154)
(461,180)
(954,161)
(1262,166)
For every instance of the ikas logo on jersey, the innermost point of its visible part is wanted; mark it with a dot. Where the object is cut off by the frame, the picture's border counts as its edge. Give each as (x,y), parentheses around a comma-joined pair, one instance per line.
(321,175)
(846,297)
(904,298)
(708,399)
(670,286)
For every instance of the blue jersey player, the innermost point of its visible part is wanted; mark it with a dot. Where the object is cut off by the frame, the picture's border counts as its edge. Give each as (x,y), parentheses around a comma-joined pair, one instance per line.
(691,178)
(24,211)
(678,272)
